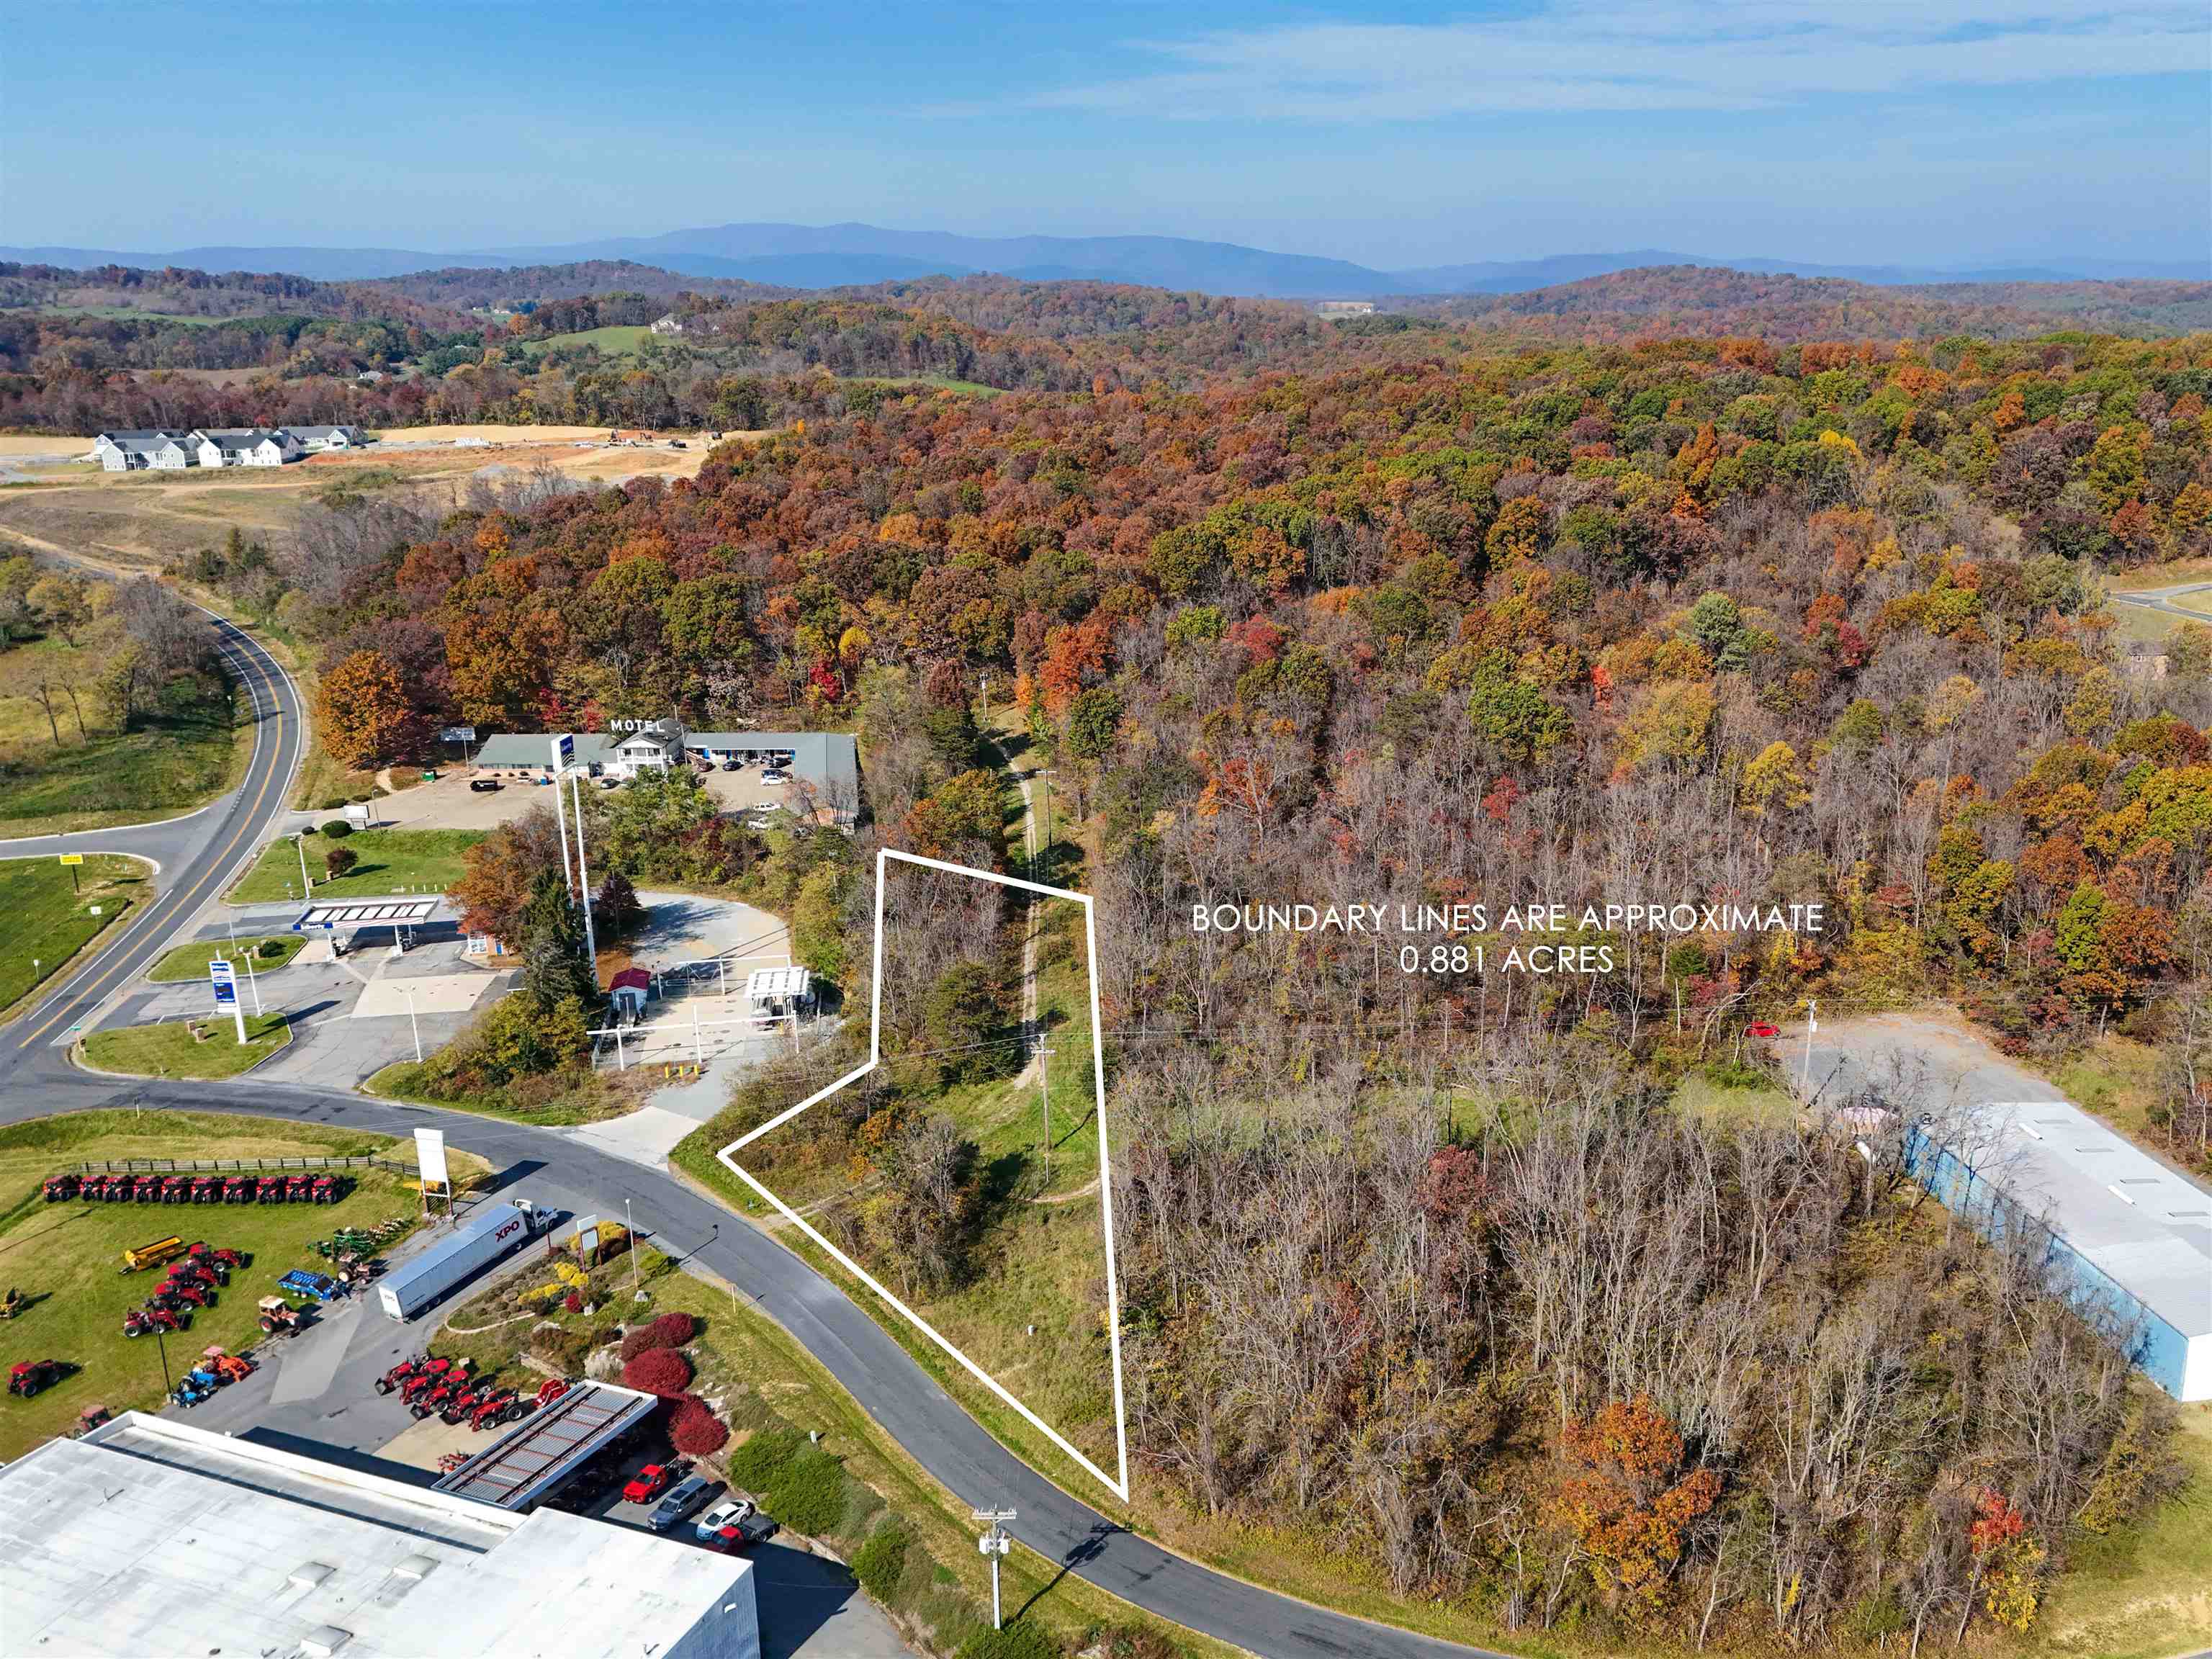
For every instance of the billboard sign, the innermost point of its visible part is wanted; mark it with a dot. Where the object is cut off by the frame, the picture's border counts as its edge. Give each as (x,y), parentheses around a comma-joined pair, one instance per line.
(564,752)
(457,734)
(224,978)
(430,1157)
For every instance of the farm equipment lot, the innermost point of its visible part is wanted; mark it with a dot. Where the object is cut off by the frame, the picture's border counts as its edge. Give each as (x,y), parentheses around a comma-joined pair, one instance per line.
(66,1258)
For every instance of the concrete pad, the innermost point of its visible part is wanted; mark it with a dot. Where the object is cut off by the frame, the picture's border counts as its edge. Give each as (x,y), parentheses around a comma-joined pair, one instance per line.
(684,927)
(314,953)
(421,1444)
(433,994)
(307,1369)
(645,1136)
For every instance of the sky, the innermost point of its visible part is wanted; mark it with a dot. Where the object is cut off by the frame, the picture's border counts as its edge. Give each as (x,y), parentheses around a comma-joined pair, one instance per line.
(1907,131)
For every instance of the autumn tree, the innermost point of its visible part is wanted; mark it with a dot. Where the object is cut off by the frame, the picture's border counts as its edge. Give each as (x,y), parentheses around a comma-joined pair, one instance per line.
(363,712)
(1629,1496)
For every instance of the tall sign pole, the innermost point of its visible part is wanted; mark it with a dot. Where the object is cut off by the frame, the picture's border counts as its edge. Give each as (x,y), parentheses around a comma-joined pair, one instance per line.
(564,751)
(583,877)
(224,979)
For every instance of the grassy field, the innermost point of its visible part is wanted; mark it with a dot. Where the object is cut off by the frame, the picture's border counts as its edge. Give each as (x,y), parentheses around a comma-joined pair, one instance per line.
(185,751)
(188,962)
(65,1256)
(50,922)
(391,862)
(616,340)
(594,1099)
(170,1049)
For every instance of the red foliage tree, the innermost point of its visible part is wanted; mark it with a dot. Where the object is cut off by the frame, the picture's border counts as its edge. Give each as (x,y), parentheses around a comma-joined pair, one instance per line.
(694,1430)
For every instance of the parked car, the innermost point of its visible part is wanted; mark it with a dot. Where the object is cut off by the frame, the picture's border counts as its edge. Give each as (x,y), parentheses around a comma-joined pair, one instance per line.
(734,766)
(761,826)
(648,1483)
(610,783)
(682,1500)
(1763,1029)
(483,786)
(730,1512)
(775,774)
(740,1536)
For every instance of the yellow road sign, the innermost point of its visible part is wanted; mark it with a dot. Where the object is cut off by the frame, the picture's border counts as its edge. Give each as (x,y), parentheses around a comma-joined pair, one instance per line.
(72,858)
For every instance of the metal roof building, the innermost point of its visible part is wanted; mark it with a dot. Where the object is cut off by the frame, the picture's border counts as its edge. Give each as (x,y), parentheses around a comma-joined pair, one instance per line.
(2125,1231)
(153,1537)
(534,1459)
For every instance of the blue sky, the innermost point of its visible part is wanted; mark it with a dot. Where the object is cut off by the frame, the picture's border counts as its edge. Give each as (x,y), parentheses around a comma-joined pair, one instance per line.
(1921,131)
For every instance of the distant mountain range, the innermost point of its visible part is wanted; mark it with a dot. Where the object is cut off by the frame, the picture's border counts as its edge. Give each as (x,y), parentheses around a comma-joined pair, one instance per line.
(847,255)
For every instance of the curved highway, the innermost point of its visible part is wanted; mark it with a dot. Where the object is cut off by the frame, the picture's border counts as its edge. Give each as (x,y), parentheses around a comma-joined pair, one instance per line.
(37,1080)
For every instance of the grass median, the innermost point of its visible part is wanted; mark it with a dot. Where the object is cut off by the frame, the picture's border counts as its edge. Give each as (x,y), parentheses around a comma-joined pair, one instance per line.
(207,1049)
(190,962)
(389,861)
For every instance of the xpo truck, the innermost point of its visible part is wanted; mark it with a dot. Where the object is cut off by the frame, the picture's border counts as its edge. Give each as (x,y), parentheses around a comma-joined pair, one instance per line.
(486,1237)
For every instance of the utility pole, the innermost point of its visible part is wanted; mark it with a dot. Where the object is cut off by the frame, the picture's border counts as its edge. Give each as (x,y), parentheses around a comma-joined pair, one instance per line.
(993,1545)
(1044,1098)
(1044,853)
(583,875)
(307,882)
(408,991)
(1812,1024)
(560,769)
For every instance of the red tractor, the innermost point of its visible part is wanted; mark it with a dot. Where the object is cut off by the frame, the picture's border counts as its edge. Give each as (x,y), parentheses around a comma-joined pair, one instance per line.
(176,1190)
(146,1189)
(405,1371)
(198,1292)
(486,1412)
(240,1189)
(272,1190)
(93,1189)
(436,1374)
(462,1404)
(199,1270)
(551,1390)
(119,1188)
(33,1376)
(329,1190)
(144,1321)
(207,1190)
(440,1395)
(298,1189)
(197,1250)
(279,1315)
(59,1188)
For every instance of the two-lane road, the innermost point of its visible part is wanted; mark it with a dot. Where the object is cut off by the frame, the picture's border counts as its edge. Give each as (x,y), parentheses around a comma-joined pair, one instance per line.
(200,855)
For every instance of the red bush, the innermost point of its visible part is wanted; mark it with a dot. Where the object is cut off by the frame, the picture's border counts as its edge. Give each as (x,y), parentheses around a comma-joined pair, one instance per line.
(694,1431)
(573,1301)
(669,1331)
(659,1371)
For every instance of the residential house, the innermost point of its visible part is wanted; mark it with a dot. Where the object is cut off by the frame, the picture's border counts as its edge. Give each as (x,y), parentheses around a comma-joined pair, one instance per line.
(316,439)
(129,451)
(247,446)
(668,324)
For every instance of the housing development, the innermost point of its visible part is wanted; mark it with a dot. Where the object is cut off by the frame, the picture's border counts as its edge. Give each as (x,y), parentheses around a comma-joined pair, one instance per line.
(1168,901)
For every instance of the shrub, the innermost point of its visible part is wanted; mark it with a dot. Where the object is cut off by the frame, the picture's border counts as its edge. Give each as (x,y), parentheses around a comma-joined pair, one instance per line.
(1020,1640)
(573,1301)
(879,1563)
(336,803)
(760,1463)
(694,1431)
(671,1330)
(336,829)
(809,1497)
(270,949)
(662,1370)
(339,860)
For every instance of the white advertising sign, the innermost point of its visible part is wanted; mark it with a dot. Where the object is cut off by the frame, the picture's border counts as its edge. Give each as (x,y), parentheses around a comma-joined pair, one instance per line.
(430,1155)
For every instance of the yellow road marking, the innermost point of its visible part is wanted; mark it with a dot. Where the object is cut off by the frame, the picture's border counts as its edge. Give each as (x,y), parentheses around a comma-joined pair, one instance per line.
(69,997)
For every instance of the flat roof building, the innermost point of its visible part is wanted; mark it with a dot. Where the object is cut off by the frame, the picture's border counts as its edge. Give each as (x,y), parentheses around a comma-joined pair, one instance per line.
(149,1537)
(829,763)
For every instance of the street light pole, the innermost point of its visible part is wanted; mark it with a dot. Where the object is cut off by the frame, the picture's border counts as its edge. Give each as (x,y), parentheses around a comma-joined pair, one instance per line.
(307,882)
(408,991)
(583,881)
(993,1545)
(636,1291)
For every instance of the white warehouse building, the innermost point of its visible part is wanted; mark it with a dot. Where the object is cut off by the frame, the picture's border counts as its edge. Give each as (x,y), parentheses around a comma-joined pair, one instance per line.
(149,1537)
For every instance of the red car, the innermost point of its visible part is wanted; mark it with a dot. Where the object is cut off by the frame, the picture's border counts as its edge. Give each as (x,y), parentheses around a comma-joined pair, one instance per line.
(1763,1029)
(648,1483)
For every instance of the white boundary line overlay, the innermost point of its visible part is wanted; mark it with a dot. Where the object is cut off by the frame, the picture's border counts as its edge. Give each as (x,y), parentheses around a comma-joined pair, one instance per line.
(1119,1487)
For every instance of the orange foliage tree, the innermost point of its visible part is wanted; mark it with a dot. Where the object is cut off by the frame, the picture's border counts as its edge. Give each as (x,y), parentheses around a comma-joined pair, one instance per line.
(1626,1496)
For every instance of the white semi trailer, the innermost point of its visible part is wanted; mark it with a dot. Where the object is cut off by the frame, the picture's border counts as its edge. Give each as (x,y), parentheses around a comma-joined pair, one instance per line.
(482,1239)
